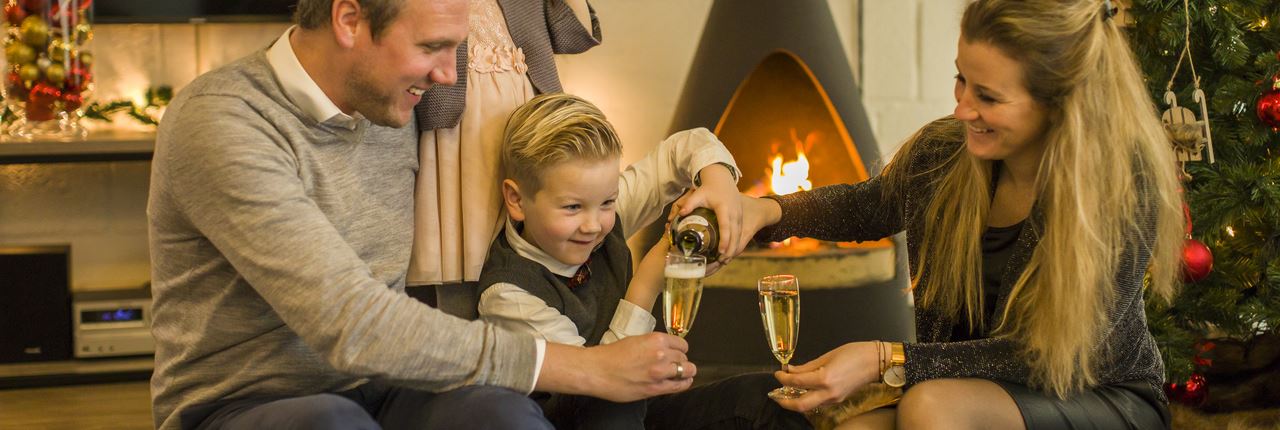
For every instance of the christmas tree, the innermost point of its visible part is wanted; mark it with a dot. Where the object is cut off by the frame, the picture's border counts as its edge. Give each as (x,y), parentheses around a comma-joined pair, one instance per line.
(1223,328)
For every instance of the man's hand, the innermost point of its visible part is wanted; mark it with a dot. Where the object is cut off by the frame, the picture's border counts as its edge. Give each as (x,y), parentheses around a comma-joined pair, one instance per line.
(630,369)
(719,192)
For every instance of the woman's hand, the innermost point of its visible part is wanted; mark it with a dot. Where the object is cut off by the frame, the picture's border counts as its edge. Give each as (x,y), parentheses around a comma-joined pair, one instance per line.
(757,213)
(831,377)
(719,192)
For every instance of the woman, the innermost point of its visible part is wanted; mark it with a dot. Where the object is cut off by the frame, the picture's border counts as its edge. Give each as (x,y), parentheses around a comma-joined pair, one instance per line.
(1031,218)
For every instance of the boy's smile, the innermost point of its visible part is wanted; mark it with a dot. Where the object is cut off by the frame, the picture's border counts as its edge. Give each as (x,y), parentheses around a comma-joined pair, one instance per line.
(574,210)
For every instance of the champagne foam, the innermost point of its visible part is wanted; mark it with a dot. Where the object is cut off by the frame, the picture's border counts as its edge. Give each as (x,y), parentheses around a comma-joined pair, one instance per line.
(686,271)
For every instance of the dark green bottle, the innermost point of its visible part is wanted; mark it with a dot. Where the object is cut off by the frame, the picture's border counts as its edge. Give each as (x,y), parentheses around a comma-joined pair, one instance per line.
(697,233)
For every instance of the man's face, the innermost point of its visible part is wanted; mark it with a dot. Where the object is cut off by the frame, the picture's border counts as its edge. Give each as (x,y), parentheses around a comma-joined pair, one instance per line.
(417,50)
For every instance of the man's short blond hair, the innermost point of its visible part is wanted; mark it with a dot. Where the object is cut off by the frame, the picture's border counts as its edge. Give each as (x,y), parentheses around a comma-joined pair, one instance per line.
(551,129)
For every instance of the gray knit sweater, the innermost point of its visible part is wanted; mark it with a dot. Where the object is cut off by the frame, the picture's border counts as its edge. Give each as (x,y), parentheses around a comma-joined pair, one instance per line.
(279,247)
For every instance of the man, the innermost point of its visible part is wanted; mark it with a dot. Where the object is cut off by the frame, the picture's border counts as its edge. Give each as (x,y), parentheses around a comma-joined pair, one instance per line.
(280,218)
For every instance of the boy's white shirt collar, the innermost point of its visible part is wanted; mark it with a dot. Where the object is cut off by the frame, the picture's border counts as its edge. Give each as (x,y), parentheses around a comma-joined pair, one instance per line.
(301,89)
(532,252)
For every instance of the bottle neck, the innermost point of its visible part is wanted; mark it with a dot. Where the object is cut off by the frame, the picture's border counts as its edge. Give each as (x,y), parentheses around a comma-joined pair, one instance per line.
(690,241)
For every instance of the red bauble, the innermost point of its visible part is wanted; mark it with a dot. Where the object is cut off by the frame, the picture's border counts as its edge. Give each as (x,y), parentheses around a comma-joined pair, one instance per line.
(14,12)
(34,6)
(41,102)
(57,15)
(78,76)
(71,101)
(1197,261)
(1191,393)
(14,85)
(1268,107)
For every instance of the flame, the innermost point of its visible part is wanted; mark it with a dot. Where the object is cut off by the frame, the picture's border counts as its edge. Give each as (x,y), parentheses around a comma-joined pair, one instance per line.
(789,177)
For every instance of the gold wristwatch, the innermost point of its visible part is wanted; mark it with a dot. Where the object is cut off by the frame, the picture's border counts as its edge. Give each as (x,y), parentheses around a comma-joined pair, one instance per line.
(895,375)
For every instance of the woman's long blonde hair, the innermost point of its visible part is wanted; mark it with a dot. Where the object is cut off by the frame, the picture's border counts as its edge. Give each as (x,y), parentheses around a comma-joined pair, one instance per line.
(1107,166)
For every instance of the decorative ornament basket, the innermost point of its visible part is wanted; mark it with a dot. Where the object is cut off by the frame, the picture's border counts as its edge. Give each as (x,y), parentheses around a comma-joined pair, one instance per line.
(48,70)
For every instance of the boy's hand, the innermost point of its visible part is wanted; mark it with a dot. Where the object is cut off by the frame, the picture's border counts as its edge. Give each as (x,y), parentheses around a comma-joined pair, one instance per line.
(719,192)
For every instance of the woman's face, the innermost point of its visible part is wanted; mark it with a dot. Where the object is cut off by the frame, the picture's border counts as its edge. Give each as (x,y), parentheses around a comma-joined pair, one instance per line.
(1003,120)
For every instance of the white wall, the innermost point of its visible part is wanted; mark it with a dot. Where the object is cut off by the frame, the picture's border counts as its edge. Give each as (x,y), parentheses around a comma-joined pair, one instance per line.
(908,54)
(635,76)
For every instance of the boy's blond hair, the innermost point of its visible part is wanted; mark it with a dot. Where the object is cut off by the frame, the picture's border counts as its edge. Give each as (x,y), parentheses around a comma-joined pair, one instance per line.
(551,129)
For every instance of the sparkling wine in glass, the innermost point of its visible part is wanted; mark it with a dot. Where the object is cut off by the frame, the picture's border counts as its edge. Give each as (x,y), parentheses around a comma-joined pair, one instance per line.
(780,312)
(683,291)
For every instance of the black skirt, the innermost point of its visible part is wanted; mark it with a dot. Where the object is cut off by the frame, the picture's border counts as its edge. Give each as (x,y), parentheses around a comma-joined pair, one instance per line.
(1125,405)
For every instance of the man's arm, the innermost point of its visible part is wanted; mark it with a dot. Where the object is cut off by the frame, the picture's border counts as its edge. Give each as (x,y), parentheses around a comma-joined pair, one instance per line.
(238,185)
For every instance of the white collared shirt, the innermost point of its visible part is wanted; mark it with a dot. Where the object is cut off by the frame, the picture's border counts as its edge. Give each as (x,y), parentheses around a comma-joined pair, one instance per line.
(644,188)
(301,89)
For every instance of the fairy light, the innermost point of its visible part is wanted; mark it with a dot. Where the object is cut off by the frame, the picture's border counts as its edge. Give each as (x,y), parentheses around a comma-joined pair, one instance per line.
(1231,231)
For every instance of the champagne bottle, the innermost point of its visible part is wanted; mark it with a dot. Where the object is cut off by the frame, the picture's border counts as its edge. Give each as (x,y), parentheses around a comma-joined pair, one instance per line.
(697,233)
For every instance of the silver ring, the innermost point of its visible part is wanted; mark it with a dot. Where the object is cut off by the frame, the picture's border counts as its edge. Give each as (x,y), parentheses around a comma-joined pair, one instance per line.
(679,369)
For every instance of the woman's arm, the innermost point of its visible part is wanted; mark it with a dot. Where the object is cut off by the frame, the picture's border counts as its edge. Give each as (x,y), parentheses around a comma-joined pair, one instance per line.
(843,212)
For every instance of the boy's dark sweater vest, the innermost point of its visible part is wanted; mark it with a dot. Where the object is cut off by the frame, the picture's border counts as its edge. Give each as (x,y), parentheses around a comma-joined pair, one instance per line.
(591,305)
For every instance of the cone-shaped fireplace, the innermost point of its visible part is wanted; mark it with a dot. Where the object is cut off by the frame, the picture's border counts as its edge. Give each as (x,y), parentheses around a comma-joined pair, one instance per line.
(772,81)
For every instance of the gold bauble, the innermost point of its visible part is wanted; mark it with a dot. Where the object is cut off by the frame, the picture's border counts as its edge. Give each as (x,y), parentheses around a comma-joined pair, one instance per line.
(19,53)
(34,31)
(84,33)
(57,50)
(29,72)
(86,58)
(56,74)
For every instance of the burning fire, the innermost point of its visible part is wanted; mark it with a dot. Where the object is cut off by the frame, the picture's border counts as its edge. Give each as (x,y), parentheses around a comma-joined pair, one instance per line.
(786,177)
(789,177)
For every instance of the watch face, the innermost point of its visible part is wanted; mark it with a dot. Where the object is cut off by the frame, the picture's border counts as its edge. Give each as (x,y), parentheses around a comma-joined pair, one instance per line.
(895,376)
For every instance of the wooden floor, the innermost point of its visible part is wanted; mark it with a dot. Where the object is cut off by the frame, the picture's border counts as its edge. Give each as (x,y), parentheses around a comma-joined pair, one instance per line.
(128,406)
(107,406)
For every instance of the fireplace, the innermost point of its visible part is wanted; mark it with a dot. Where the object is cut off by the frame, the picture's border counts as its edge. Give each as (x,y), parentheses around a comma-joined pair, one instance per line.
(774,84)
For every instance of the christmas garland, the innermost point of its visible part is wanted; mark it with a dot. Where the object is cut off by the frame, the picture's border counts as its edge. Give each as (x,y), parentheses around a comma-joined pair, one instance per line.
(147,113)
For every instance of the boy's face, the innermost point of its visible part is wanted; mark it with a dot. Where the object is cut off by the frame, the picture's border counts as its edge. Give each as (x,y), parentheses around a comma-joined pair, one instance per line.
(572,213)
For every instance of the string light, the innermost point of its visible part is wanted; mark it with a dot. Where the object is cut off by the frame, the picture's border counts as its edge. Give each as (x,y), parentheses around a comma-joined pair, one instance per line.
(1260,24)
(1231,231)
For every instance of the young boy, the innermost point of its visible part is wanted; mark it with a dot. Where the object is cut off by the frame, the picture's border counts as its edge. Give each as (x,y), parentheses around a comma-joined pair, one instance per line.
(561,268)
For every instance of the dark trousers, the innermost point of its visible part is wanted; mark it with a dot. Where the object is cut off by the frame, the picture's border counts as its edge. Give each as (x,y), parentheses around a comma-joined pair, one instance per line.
(738,402)
(375,406)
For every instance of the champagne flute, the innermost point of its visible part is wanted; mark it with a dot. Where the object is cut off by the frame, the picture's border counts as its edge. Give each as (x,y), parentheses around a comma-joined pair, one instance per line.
(780,312)
(683,291)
